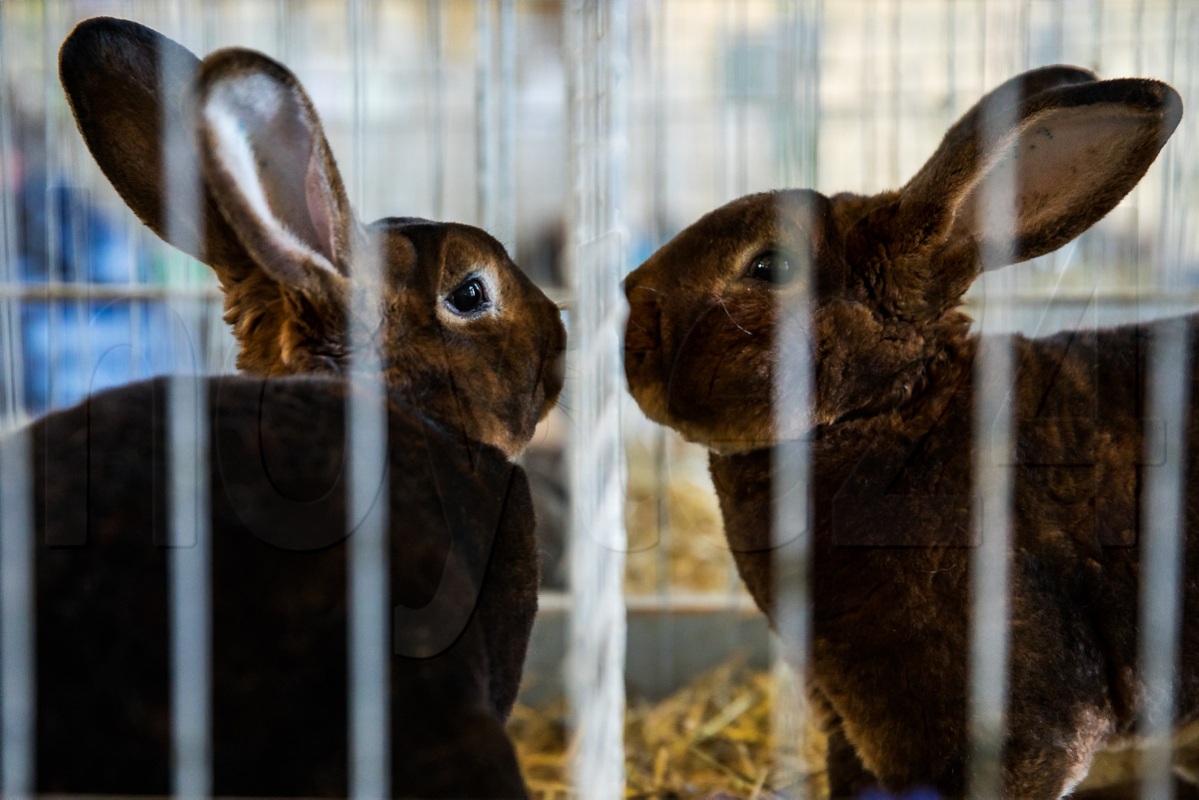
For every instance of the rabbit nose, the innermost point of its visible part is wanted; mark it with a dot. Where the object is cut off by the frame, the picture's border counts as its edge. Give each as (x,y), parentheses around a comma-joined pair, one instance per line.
(643,333)
(630,283)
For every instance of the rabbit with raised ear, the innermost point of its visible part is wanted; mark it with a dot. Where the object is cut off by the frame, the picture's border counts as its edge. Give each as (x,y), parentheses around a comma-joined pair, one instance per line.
(465,335)
(471,352)
(891,433)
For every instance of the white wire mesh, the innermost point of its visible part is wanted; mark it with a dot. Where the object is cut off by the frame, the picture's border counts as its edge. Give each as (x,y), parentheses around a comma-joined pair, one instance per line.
(456,112)
(17,664)
(18,680)
(799,104)
(188,535)
(597,36)
(994,426)
(368,522)
(1164,528)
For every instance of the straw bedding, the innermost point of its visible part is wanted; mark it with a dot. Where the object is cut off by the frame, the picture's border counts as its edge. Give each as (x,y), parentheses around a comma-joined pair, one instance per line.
(708,738)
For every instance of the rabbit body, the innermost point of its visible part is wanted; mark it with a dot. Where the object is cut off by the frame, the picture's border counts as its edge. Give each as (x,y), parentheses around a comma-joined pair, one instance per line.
(462,577)
(890,570)
(891,431)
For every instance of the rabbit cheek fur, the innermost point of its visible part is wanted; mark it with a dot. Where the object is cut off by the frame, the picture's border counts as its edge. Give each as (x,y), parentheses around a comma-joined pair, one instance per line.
(484,375)
(891,438)
(689,351)
(694,353)
(279,594)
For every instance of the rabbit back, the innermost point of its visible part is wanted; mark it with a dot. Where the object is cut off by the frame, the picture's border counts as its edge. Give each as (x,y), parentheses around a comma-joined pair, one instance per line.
(278,577)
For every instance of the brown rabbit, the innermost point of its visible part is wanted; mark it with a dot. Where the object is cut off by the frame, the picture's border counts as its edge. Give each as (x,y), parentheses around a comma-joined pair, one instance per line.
(890,426)
(462,576)
(465,336)
(471,351)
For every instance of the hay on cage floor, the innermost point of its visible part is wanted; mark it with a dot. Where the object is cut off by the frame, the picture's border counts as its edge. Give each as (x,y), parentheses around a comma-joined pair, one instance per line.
(711,737)
(676,535)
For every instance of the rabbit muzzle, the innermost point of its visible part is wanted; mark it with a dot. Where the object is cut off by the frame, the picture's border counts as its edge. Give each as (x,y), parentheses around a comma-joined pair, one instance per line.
(643,332)
(643,349)
(553,369)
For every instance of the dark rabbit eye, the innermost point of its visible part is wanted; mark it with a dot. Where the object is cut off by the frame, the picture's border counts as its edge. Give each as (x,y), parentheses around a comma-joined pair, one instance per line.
(773,267)
(468,298)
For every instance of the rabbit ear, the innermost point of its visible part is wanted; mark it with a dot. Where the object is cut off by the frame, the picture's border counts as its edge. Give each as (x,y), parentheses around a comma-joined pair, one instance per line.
(270,169)
(126,84)
(1002,101)
(1062,157)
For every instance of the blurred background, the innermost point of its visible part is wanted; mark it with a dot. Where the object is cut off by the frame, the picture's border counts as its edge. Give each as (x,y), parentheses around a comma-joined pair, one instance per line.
(556,125)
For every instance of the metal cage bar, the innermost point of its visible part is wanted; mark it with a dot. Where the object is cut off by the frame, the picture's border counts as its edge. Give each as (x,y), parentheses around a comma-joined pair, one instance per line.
(189,530)
(597,38)
(850,88)
(799,104)
(1163,543)
(368,522)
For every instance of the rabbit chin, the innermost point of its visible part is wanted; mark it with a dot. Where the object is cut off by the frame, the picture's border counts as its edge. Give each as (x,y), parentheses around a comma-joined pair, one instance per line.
(750,437)
(742,432)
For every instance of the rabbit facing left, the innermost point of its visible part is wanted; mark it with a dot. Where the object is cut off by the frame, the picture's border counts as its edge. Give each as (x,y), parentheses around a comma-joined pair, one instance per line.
(464,334)
(890,426)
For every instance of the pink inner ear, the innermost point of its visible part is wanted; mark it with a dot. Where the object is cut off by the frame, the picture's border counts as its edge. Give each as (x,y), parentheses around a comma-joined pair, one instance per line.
(1054,168)
(320,205)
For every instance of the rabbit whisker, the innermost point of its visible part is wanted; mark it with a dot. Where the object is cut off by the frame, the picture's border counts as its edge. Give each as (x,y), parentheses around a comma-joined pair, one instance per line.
(724,307)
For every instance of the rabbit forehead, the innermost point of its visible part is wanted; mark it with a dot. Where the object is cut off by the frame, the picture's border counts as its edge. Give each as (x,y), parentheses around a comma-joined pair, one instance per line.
(437,254)
(718,245)
(469,249)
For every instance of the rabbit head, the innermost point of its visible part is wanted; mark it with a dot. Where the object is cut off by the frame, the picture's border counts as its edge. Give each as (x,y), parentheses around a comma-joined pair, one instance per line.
(465,336)
(883,275)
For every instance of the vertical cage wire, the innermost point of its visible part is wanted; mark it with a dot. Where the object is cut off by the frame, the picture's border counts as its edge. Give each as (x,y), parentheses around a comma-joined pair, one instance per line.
(598,53)
(368,510)
(994,369)
(485,159)
(17,605)
(797,123)
(62,231)
(880,37)
(283,29)
(11,362)
(60,335)
(505,189)
(190,585)
(655,42)
(1164,526)
(189,543)
(1163,551)
(868,85)
(17,665)
(896,99)
(652,23)
(54,338)
(495,118)
(435,94)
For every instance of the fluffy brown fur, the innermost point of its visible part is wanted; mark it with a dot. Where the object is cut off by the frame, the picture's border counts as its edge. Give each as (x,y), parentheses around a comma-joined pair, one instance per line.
(891,433)
(463,577)
(247,125)
(277,229)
